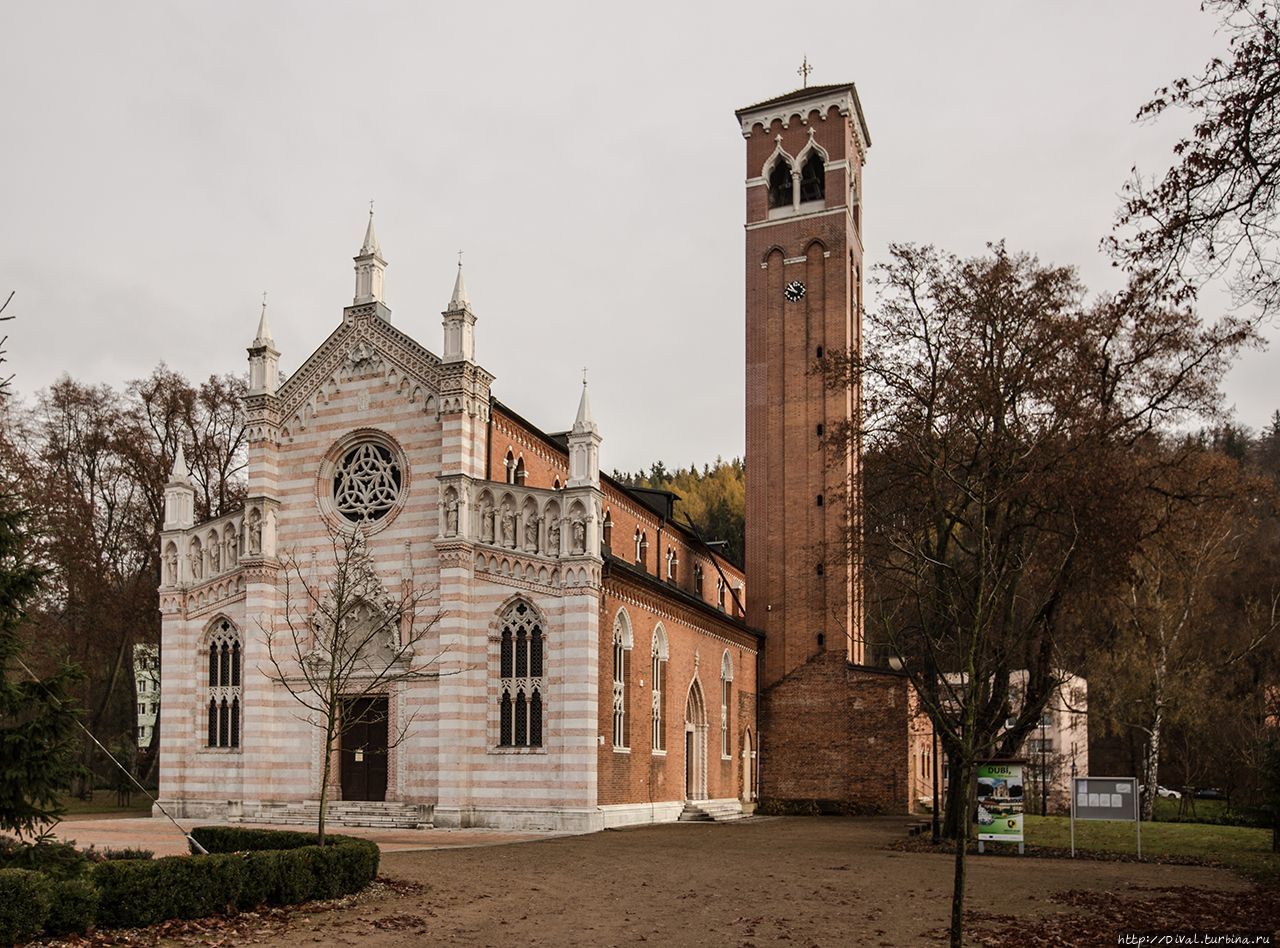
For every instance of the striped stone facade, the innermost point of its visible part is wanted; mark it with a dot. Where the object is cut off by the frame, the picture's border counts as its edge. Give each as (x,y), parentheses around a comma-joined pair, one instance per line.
(478,538)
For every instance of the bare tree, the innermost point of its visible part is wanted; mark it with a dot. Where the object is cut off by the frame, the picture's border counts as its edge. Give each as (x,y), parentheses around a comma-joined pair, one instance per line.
(1216,211)
(348,638)
(1002,415)
(1174,640)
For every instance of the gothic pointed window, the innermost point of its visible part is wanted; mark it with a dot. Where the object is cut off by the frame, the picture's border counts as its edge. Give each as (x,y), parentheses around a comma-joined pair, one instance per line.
(697,578)
(521,684)
(607,532)
(658,676)
(224,686)
(780,184)
(726,703)
(521,473)
(621,646)
(813,178)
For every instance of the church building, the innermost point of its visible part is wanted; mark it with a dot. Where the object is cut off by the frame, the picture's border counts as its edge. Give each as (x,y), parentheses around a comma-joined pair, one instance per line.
(596,662)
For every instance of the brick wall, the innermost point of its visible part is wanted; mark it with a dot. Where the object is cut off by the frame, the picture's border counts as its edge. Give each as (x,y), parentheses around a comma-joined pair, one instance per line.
(696,645)
(837,732)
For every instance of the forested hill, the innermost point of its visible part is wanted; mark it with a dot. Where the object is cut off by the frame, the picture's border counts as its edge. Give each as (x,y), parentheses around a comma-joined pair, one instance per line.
(713,498)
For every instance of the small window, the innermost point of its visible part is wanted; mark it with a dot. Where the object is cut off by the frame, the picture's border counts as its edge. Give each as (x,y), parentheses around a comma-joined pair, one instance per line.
(521,473)
(607,537)
(820,429)
(820,351)
(780,185)
(697,578)
(821,569)
(820,500)
(813,178)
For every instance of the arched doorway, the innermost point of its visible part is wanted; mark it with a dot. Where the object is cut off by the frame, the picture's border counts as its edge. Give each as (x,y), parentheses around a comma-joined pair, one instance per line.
(695,744)
(748,767)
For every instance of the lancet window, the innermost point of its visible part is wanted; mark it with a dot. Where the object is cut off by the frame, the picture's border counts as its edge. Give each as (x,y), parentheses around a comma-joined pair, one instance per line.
(726,703)
(780,184)
(813,178)
(658,675)
(621,646)
(225,688)
(521,682)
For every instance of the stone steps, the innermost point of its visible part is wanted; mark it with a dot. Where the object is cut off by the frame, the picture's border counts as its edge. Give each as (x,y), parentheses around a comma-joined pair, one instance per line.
(707,811)
(343,813)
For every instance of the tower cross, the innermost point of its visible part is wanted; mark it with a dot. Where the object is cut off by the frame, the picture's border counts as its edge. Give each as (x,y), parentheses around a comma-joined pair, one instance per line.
(804,70)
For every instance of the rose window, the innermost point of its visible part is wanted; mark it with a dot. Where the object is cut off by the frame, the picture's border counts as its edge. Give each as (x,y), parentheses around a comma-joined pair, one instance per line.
(366,483)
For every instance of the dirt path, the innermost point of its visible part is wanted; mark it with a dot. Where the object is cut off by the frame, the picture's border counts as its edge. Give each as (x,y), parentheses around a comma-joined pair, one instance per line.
(794,882)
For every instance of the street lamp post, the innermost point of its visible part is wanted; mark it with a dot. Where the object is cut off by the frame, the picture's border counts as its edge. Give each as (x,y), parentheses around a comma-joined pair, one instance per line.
(1044,771)
(937,826)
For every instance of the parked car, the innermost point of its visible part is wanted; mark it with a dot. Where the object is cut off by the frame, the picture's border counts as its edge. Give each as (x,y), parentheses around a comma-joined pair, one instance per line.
(1162,792)
(1210,793)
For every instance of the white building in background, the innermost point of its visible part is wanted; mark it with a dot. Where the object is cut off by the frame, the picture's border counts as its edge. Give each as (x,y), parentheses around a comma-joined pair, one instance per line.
(1055,749)
(146,680)
(1059,745)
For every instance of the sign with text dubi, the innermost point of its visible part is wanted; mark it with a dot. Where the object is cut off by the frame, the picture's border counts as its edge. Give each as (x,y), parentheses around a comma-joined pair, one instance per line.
(1000,801)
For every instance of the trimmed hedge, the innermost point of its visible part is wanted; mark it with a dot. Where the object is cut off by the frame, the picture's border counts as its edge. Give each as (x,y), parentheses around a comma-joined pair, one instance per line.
(245,868)
(74,908)
(25,900)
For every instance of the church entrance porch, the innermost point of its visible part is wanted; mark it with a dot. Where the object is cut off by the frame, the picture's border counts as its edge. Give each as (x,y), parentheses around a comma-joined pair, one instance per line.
(695,745)
(363,759)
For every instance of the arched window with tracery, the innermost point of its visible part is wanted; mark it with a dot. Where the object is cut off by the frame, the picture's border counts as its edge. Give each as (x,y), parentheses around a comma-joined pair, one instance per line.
(658,675)
(521,682)
(225,662)
(509,463)
(780,184)
(621,648)
(521,473)
(726,704)
(813,177)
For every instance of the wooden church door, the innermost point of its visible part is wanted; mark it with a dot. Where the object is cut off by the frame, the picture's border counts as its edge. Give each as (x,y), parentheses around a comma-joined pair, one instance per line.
(363,766)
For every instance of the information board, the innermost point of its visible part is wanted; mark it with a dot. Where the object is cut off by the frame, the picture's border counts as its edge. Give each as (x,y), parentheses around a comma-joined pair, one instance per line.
(1105,798)
(999,798)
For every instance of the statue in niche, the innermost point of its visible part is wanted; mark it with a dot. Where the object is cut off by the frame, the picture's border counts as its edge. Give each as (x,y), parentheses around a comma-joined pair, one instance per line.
(231,552)
(579,535)
(508,527)
(451,516)
(171,567)
(531,535)
(215,558)
(197,564)
(486,530)
(255,533)
(553,536)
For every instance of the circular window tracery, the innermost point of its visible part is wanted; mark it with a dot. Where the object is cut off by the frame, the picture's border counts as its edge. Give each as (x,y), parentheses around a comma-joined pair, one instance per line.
(366,482)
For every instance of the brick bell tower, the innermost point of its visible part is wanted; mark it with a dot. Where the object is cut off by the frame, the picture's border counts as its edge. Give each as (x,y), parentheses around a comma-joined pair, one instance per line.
(805,154)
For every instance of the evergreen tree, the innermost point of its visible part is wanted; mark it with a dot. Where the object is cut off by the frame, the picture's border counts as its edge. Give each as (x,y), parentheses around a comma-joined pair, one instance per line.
(38,736)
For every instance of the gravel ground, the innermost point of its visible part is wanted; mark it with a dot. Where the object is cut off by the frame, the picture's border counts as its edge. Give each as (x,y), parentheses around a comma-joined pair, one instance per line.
(779,881)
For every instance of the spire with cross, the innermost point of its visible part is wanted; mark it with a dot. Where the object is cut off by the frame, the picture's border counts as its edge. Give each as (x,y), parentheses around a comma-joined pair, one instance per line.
(804,70)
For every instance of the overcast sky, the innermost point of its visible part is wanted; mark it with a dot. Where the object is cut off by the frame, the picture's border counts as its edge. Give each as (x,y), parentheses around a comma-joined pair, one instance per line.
(164,163)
